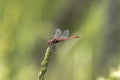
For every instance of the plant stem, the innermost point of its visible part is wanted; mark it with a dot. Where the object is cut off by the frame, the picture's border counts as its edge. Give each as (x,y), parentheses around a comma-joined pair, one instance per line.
(44,63)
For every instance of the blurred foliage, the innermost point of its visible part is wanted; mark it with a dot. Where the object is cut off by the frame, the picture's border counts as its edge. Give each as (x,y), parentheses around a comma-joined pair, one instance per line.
(114,75)
(26,25)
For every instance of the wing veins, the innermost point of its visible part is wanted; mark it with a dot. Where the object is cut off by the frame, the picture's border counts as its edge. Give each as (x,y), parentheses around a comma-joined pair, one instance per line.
(65,34)
(58,33)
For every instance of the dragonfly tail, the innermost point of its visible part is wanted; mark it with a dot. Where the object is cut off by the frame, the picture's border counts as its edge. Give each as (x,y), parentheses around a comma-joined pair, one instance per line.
(73,37)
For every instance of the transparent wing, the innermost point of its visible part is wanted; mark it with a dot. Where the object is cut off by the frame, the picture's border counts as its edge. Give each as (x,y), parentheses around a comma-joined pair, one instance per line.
(58,33)
(65,34)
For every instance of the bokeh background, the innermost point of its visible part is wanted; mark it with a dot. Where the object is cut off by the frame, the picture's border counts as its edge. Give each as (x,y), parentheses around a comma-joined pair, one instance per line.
(27,25)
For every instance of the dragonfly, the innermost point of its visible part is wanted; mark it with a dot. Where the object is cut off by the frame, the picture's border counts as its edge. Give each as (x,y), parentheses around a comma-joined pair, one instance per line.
(60,37)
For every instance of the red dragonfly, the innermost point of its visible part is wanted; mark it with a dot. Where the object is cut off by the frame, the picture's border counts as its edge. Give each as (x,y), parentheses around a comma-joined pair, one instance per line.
(60,37)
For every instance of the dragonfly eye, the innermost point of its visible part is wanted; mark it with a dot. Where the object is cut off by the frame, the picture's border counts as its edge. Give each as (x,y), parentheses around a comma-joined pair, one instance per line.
(49,42)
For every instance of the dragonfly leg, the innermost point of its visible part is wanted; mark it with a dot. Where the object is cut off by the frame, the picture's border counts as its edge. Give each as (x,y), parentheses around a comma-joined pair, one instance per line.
(52,46)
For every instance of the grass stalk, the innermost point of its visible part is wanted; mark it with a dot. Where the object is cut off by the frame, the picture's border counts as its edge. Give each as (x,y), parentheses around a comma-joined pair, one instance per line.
(44,63)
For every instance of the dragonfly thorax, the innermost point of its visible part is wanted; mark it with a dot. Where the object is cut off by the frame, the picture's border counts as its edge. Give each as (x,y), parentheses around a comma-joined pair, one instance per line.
(53,41)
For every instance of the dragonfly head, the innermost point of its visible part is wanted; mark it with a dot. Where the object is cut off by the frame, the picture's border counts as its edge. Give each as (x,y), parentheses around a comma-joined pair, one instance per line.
(52,42)
(49,42)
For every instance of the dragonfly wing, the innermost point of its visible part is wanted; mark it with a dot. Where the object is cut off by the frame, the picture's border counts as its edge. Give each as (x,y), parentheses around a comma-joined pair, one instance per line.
(65,34)
(58,33)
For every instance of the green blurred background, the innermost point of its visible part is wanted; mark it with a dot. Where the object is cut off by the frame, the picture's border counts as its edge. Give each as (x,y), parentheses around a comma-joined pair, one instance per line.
(27,25)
